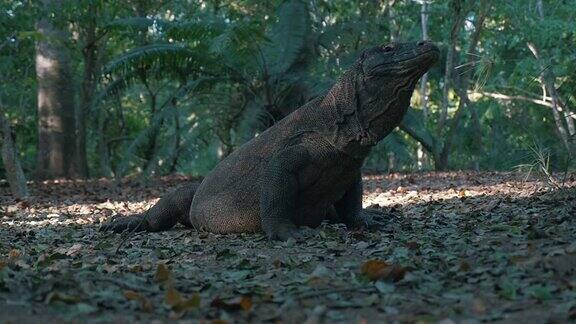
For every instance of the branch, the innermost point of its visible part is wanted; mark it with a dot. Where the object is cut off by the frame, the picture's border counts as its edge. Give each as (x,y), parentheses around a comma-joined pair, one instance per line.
(428,146)
(505,97)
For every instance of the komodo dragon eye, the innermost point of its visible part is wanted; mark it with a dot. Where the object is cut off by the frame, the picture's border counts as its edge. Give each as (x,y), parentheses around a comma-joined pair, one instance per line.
(387,48)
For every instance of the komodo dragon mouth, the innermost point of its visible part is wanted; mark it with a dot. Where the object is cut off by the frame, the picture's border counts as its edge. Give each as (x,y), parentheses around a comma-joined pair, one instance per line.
(397,58)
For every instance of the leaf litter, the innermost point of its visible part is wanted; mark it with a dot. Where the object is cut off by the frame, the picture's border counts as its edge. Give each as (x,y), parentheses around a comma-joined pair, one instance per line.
(456,246)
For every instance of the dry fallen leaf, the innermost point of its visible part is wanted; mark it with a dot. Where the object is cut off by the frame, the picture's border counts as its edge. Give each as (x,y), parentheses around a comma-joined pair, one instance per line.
(180,304)
(58,296)
(381,270)
(219,321)
(74,249)
(145,303)
(14,254)
(162,274)
(478,307)
(131,295)
(234,304)
(173,297)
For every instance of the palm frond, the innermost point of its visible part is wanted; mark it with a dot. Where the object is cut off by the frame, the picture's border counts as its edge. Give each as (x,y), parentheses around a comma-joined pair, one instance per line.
(134,24)
(112,89)
(288,36)
(193,30)
(163,54)
(157,120)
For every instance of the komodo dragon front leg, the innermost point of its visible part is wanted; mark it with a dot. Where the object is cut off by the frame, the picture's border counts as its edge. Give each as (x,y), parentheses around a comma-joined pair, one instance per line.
(349,208)
(279,192)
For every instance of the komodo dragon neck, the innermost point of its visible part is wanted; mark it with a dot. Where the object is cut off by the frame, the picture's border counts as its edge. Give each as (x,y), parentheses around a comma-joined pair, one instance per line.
(356,124)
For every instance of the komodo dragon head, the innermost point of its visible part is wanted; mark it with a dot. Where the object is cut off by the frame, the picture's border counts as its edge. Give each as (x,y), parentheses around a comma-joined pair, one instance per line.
(371,98)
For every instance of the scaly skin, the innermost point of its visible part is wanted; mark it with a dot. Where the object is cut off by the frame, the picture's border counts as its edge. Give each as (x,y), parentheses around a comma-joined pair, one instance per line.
(306,168)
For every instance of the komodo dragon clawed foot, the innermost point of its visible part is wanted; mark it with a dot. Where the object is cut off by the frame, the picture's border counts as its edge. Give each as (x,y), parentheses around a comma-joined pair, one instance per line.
(372,220)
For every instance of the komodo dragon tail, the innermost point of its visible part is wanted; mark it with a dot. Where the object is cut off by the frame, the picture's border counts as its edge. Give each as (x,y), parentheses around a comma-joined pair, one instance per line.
(170,209)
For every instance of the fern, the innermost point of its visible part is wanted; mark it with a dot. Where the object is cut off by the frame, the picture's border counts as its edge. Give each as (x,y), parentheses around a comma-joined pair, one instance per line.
(133,24)
(156,122)
(113,89)
(161,54)
(288,36)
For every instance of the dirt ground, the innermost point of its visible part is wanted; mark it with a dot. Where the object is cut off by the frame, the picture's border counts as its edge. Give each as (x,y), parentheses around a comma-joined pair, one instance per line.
(457,247)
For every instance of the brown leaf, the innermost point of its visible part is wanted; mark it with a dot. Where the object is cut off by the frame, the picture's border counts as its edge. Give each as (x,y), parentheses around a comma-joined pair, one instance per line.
(478,307)
(465,266)
(188,304)
(131,295)
(14,254)
(178,303)
(234,304)
(57,296)
(145,303)
(277,264)
(173,297)
(74,249)
(381,270)
(162,274)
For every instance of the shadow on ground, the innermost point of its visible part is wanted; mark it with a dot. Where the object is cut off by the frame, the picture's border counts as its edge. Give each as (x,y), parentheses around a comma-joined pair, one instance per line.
(474,247)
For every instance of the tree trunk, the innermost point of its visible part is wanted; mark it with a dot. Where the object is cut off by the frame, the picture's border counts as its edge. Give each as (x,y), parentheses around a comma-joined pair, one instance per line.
(56,109)
(90,56)
(457,20)
(104,165)
(152,146)
(177,139)
(461,88)
(14,173)
(424,79)
(420,154)
(394,30)
(567,133)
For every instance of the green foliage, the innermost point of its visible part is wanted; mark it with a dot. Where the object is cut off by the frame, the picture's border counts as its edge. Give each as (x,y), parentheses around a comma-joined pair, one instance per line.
(182,83)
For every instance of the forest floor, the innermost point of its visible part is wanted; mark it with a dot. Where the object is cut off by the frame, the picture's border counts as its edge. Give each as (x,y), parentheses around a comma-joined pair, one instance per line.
(457,247)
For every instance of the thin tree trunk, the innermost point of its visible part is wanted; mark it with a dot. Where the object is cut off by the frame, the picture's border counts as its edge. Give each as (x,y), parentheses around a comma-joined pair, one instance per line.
(420,154)
(567,133)
(152,147)
(569,116)
(104,165)
(56,107)
(394,30)
(457,21)
(177,139)
(461,88)
(90,55)
(442,162)
(424,80)
(14,173)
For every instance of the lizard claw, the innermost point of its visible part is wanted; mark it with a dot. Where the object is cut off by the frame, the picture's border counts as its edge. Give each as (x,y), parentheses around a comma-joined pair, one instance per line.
(369,220)
(121,224)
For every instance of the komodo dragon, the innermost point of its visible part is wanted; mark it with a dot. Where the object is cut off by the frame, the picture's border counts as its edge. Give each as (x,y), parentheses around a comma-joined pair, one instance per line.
(306,168)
